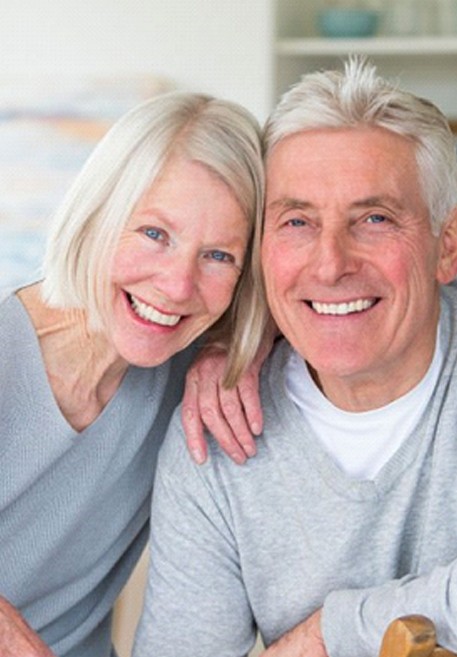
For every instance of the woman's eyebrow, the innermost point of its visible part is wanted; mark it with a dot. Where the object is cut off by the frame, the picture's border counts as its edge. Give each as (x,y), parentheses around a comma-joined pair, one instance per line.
(159,214)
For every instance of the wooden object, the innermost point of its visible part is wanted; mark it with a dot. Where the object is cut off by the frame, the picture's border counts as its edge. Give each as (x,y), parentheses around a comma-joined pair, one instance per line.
(412,636)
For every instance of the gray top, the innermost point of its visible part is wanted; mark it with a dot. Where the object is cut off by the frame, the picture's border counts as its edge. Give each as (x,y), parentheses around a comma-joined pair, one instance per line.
(234,548)
(73,506)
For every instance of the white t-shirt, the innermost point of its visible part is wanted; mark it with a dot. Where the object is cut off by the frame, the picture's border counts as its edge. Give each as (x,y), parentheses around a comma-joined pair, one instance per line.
(360,443)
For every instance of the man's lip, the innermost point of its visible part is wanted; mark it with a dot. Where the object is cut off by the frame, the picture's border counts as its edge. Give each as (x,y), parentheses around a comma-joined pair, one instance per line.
(342,308)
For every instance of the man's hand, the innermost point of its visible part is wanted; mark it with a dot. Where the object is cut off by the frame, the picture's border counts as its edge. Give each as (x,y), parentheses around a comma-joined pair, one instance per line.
(233,417)
(304,640)
(17,639)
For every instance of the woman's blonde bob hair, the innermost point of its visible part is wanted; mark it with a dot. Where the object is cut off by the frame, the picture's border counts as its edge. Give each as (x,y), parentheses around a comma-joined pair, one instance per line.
(218,134)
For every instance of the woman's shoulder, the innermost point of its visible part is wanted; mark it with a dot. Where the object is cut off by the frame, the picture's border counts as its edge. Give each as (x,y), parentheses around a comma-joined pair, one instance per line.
(12,295)
(12,308)
(6,293)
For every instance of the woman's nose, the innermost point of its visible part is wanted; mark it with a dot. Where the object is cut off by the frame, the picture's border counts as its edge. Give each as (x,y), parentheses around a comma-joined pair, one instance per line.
(178,279)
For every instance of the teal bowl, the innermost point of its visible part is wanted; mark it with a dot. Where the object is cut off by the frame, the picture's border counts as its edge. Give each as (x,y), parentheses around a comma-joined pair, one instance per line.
(347,23)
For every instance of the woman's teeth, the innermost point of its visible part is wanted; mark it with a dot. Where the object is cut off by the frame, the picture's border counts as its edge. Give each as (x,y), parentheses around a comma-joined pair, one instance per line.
(342,308)
(152,315)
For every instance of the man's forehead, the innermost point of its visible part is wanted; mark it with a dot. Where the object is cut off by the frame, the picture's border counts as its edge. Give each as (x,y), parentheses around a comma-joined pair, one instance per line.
(349,134)
(314,153)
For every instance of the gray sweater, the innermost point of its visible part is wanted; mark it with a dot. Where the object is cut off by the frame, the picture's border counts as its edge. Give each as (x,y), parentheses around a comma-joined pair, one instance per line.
(262,546)
(74,507)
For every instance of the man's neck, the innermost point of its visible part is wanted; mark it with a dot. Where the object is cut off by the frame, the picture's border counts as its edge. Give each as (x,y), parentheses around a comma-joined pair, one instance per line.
(366,392)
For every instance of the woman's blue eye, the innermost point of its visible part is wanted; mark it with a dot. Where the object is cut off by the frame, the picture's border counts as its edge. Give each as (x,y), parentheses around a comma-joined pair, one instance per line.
(153,233)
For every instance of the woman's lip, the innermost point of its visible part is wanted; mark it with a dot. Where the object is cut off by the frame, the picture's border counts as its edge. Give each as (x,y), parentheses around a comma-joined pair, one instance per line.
(151,314)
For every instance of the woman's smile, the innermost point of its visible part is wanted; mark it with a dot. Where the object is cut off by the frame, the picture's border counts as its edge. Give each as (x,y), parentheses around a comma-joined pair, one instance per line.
(151,314)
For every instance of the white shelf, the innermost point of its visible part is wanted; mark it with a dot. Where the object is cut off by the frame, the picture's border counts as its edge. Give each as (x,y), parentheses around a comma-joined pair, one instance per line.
(386,46)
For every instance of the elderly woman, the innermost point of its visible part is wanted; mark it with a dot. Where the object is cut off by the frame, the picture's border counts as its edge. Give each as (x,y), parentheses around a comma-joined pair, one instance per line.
(148,249)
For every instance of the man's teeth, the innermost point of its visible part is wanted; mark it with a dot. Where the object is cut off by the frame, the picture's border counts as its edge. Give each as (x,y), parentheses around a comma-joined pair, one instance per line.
(342,308)
(152,315)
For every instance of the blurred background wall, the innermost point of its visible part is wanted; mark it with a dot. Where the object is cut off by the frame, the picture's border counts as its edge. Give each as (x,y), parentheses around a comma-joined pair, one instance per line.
(217,46)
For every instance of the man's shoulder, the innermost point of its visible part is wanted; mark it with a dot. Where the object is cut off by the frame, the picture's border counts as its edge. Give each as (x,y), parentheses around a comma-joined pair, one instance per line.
(448,316)
(175,457)
(275,363)
(174,444)
(175,461)
(449,293)
(273,376)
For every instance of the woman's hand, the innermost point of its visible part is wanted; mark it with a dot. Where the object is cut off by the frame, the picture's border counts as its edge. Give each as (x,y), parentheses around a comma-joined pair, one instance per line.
(233,416)
(17,639)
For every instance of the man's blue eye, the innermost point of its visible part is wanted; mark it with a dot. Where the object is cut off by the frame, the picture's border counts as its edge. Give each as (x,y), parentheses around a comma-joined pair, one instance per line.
(376,219)
(296,222)
(221,256)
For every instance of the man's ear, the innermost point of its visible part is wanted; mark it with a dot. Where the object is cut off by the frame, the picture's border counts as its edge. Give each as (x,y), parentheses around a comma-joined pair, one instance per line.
(447,259)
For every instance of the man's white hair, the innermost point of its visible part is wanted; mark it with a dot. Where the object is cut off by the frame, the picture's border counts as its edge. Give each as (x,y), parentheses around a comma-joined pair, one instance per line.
(358,96)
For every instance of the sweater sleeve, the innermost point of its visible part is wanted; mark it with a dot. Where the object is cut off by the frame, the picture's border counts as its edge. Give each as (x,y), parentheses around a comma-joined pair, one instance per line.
(195,603)
(354,621)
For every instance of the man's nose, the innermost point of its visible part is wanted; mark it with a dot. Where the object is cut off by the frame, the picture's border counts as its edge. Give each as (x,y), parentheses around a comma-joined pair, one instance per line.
(334,256)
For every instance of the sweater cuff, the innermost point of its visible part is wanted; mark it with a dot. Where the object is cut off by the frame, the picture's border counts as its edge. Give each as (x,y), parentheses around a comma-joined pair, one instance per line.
(340,624)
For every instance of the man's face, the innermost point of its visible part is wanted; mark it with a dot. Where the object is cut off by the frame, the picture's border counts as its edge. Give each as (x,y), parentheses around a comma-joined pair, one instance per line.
(350,262)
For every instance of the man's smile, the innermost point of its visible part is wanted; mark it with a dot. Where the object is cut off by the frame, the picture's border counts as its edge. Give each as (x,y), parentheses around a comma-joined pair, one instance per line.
(345,308)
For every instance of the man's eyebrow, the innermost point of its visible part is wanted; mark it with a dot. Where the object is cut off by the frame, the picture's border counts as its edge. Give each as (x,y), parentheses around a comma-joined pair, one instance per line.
(288,203)
(385,199)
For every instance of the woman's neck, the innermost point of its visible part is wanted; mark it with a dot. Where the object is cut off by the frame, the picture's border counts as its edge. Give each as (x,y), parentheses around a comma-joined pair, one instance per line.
(83,368)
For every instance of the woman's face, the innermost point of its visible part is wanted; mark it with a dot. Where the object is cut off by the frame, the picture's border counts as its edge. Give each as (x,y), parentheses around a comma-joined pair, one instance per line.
(176,264)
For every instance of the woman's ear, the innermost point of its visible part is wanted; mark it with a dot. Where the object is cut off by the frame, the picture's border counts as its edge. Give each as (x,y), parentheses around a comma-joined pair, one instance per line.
(447,259)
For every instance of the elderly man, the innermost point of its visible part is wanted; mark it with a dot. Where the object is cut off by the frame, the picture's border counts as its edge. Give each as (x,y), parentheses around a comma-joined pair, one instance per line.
(347,516)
